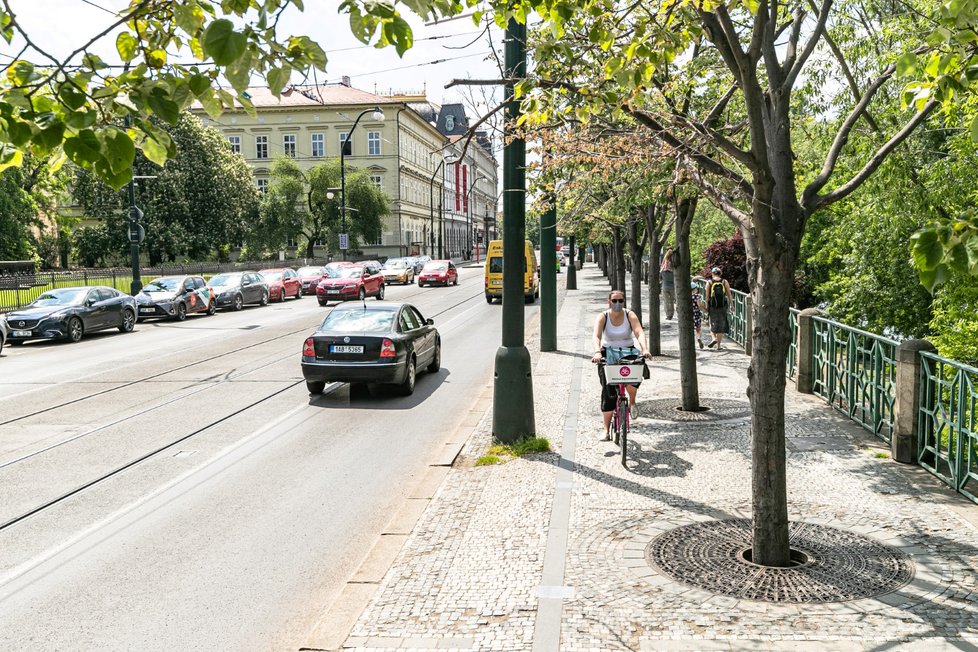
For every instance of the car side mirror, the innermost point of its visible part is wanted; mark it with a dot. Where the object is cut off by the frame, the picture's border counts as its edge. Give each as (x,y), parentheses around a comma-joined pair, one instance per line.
(245,283)
(92,302)
(429,321)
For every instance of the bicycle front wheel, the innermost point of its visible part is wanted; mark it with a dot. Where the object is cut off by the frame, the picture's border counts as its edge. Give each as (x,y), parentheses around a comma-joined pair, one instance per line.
(624,436)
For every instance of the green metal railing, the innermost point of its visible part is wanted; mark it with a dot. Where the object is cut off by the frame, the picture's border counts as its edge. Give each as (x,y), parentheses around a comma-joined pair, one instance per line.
(947,422)
(855,372)
(738,319)
(791,365)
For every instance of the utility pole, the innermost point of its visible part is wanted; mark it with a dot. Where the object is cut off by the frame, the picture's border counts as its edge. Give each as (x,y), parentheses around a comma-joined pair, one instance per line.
(548,276)
(572,267)
(512,405)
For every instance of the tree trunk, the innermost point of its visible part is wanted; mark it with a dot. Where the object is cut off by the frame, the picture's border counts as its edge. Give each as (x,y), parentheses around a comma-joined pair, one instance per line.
(635,253)
(310,249)
(618,253)
(602,254)
(612,260)
(681,261)
(653,227)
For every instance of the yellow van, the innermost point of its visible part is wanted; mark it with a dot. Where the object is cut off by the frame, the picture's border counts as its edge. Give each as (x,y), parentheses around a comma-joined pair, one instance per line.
(494,272)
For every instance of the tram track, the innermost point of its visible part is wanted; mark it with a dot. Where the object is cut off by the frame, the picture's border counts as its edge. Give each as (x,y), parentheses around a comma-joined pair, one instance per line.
(199,387)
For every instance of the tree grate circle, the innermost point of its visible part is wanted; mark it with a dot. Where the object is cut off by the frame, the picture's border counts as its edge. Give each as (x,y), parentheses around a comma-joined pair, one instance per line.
(716,409)
(833,565)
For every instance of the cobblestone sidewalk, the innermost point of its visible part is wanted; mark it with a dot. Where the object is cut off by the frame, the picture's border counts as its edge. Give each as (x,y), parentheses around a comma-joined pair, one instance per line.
(549,552)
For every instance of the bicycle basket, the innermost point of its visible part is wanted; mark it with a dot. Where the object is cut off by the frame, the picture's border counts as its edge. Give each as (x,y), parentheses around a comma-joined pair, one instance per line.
(623,374)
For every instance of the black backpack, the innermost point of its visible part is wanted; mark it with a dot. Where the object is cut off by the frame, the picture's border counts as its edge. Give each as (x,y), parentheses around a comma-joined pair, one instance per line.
(718,298)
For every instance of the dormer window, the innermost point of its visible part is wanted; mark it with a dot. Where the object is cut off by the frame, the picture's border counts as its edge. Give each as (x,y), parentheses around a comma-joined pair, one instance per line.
(449,122)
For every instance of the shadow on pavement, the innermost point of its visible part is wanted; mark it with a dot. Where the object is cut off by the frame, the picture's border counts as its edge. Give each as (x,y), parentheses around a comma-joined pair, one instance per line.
(381,397)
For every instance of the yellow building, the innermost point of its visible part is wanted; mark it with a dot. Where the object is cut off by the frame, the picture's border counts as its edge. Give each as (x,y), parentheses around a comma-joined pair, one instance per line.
(311,123)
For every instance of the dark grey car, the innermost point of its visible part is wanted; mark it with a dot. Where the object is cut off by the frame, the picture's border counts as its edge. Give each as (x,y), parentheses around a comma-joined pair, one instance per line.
(69,313)
(235,289)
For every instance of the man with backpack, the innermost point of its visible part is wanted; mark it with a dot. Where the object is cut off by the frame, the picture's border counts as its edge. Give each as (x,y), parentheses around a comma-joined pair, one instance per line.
(719,301)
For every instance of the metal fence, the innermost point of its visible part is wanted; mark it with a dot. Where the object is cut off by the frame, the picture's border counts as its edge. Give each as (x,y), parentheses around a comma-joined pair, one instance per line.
(947,422)
(855,372)
(18,290)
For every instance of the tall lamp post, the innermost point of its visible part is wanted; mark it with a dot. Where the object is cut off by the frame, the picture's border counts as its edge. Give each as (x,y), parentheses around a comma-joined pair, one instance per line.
(431,203)
(468,213)
(377,115)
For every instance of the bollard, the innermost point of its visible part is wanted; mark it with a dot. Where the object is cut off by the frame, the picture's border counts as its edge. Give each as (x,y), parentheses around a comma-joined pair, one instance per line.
(903,440)
(803,379)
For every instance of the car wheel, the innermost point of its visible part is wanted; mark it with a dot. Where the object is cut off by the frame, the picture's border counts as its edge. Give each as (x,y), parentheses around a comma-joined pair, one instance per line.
(456,281)
(298,292)
(1,345)
(406,388)
(281,295)
(181,312)
(323,303)
(264,299)
(488,299)
(362,294)
(435,364)
(380,293)
(238,303)
(420,284)
(75,329)
(128,321)
(212,307)
(315,386)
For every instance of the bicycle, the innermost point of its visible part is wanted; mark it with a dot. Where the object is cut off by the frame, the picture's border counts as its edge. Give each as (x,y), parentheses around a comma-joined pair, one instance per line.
(627,371)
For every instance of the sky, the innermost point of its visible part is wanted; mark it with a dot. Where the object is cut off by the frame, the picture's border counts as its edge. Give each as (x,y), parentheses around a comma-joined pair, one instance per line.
(61,26)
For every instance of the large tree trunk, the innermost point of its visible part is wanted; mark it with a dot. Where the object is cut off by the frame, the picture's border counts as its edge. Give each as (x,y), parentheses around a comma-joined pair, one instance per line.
(618,252)
(635,253)
(681,260)
(310,249)
(653,227)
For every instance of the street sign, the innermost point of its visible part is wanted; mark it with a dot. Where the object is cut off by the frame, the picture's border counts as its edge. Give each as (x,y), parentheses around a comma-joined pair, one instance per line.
(136,232)
(135,214)
(344,241)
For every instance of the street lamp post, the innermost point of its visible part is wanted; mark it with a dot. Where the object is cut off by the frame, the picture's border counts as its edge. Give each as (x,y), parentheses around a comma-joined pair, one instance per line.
(377,115)
(431,204)
(468,214)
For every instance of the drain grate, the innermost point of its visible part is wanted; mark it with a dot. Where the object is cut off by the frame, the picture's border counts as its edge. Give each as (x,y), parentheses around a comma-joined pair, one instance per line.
(832,565)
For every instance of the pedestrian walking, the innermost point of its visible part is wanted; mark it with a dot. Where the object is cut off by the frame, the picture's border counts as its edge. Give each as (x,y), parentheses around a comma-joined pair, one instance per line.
(719,301)
(699,306)
(668,283)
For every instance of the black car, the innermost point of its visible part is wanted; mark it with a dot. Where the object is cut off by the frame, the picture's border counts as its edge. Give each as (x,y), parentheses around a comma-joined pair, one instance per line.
(174,297)
(69,313)
(371,343)
(235,289)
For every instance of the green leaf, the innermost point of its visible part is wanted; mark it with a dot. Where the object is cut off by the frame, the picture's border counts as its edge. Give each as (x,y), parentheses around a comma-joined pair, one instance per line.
(160,103)
(222,44)
(957,258)
(71,96)
(199,84)
(154,151)
(10,157)
(906,64)
(6,29)
(118,149)
(971,247)
(931,278)
(278,78)
(83,149)
(926,248)
(212,105)
(78,120)
(126,44)
(188,17)
(21,73)
(51,135)
(974,129)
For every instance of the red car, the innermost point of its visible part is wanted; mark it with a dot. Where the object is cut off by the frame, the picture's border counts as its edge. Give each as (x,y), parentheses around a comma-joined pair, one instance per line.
(310,278)
(356,281)
(438,271)
(282,282)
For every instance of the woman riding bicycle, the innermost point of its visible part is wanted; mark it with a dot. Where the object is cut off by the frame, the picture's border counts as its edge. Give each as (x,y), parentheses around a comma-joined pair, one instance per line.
(616,332)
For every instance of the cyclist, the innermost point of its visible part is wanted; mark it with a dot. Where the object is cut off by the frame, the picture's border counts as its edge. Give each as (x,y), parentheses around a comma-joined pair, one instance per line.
(616,331)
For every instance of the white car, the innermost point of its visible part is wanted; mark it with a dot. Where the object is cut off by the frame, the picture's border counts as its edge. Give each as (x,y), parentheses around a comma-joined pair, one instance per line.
(398,270)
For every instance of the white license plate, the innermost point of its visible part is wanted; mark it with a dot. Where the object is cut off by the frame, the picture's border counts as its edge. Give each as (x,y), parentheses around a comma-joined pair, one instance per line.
(495,282)
(147,310)
(339,348)
(22,333)
(332,291)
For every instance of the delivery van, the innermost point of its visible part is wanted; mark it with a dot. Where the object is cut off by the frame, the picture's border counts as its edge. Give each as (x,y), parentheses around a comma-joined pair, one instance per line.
(494,272)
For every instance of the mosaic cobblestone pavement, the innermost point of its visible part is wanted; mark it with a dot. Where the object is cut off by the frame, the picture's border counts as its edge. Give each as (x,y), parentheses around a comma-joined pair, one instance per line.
(471,575)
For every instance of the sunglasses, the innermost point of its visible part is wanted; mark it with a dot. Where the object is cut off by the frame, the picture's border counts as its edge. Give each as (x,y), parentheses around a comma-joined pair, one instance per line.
(617,301)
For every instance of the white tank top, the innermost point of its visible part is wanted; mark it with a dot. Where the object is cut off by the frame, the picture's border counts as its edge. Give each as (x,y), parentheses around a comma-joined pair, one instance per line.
(617,336)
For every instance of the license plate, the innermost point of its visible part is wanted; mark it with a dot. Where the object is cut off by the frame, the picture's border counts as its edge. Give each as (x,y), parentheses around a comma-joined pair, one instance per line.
(22,333)
(495,282)
(147,310)
(340,348)
(332,291)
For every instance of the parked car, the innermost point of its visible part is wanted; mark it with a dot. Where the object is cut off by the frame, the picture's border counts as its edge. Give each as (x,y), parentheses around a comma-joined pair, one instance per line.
(399,270)
(235,289)
(282,282)
(375,343)
(310,278)
(3,333)
(69,313)
(438,271)
(351,281)
(175,297)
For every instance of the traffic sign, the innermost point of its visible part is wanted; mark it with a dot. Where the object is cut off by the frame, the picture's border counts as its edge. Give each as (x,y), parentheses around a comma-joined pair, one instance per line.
(135,214)
(344,241)
(136,232)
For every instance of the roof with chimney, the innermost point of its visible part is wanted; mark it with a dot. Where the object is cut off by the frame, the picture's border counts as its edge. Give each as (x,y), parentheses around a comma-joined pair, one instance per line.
(312,95)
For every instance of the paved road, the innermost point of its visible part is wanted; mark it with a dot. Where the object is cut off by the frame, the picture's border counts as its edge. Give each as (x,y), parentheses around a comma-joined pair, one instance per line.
(235,537)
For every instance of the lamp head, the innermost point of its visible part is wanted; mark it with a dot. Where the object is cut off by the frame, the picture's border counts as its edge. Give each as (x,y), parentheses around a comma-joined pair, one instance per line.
(378,115)
(330,195)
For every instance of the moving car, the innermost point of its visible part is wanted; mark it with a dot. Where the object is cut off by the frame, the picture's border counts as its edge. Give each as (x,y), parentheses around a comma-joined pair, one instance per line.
(438,271)
(351,281)
(419,262)
(235,289)
(69,313)
(375,343)
(494,272)
(398,270)
(282,282)
(175,297)
(310,277)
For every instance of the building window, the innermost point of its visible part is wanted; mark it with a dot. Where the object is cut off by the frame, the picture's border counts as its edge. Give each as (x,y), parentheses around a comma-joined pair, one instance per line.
(262,185)
(346,146)
(235,142)
(378,180)
(288,145)
(261,146)
(373,143)
(318,146)
(449,122)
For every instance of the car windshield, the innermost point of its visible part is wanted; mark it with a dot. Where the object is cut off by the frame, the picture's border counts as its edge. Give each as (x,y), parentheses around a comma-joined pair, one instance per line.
(348,272)
(60,297)
(436,267)
(272,276)
(399,263)
(226,279)
(336,271)
(310,271)
(363,321)
(164,285)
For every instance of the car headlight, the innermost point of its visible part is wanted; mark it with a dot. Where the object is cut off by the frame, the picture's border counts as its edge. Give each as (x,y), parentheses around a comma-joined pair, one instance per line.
(61,314)
(226,294)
